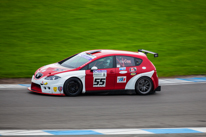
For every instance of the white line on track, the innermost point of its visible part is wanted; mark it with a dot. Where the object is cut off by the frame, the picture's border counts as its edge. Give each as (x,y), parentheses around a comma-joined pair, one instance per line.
(104,131)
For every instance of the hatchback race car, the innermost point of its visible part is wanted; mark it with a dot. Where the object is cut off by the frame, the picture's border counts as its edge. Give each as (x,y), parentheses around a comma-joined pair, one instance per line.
(98,70)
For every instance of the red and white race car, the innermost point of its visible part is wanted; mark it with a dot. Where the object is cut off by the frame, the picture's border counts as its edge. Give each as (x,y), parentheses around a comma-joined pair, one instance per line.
(98,70)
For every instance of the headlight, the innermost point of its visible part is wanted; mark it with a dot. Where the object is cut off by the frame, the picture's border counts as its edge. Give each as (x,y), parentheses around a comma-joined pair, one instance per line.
(52,78)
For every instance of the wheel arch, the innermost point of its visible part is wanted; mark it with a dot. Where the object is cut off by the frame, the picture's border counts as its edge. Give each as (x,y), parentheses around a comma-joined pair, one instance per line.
(147,77)
(150,91)
(75,78)
(132,82)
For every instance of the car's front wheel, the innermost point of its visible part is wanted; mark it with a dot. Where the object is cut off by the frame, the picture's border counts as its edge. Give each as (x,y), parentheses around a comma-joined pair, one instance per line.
(72,87)
(144,86)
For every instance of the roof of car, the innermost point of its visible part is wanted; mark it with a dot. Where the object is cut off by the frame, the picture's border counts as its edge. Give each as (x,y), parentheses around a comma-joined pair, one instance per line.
(105,52)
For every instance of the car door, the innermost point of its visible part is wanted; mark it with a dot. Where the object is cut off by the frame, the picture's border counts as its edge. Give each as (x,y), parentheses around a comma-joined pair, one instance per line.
(125,70)
(103,78)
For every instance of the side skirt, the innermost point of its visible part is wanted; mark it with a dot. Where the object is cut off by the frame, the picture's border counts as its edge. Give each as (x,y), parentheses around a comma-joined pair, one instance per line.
(112,92)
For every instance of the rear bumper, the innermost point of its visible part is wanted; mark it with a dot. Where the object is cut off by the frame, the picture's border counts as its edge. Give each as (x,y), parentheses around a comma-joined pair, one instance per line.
(158,88)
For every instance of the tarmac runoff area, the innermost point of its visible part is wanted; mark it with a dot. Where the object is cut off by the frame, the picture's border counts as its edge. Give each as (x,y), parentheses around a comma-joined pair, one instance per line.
(177,111)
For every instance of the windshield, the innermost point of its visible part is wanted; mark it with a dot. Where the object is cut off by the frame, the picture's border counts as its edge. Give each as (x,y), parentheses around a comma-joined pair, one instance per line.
(77,60)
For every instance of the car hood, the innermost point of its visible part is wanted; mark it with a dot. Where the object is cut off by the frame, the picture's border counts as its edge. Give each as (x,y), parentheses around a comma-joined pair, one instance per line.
(51,69)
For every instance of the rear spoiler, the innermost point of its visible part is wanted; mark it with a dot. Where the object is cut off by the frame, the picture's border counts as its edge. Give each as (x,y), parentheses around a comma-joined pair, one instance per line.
(146,51)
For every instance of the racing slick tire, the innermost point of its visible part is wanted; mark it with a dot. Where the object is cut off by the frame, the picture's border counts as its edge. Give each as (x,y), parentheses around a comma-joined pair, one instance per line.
(72,87)
(144,86)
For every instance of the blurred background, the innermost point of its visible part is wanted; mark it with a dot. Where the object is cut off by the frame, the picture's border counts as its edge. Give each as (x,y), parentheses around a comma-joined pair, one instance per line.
(34,33)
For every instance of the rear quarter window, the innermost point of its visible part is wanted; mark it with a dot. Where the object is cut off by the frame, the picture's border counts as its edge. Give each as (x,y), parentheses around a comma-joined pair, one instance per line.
(137,61)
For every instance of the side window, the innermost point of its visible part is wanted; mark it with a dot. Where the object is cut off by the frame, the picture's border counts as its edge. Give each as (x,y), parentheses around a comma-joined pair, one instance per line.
(137,61)
(106,62)
(124,61)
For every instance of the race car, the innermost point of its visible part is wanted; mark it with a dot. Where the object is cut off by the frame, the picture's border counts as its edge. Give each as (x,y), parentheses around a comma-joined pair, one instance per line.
(98,70)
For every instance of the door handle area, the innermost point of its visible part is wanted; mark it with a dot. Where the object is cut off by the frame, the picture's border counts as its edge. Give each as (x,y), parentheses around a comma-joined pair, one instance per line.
(111,71)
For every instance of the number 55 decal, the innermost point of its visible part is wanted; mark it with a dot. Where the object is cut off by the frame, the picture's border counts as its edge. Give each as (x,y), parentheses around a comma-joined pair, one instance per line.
(99,82)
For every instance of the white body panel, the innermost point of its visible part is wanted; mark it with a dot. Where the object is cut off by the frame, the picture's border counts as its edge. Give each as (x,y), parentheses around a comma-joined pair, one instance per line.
(59,82)
(79,74)
(131,83)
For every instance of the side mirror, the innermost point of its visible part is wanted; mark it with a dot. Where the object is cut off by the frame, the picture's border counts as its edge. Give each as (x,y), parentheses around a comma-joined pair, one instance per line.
(94,68)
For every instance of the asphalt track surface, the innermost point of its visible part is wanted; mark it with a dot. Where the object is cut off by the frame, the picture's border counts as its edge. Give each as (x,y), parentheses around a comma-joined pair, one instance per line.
(175,106)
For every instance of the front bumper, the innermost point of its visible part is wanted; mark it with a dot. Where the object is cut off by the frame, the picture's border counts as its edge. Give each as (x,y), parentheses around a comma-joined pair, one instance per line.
(49,87)
(35,91)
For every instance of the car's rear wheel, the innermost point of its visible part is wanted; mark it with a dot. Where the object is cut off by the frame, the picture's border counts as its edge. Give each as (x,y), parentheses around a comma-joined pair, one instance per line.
(144,86)
(72,87)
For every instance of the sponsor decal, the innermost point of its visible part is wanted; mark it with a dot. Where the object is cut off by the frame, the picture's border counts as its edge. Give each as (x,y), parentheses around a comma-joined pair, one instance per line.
(55,89)
(122,68)
(143,67)
(125,61)
(59,70)
(123,72)
(99,73)
(86,56)
(99,82)
(43,70)
(132,74)
(42,83)
(133,69)
(118,65)
(121,79)
(60,88)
